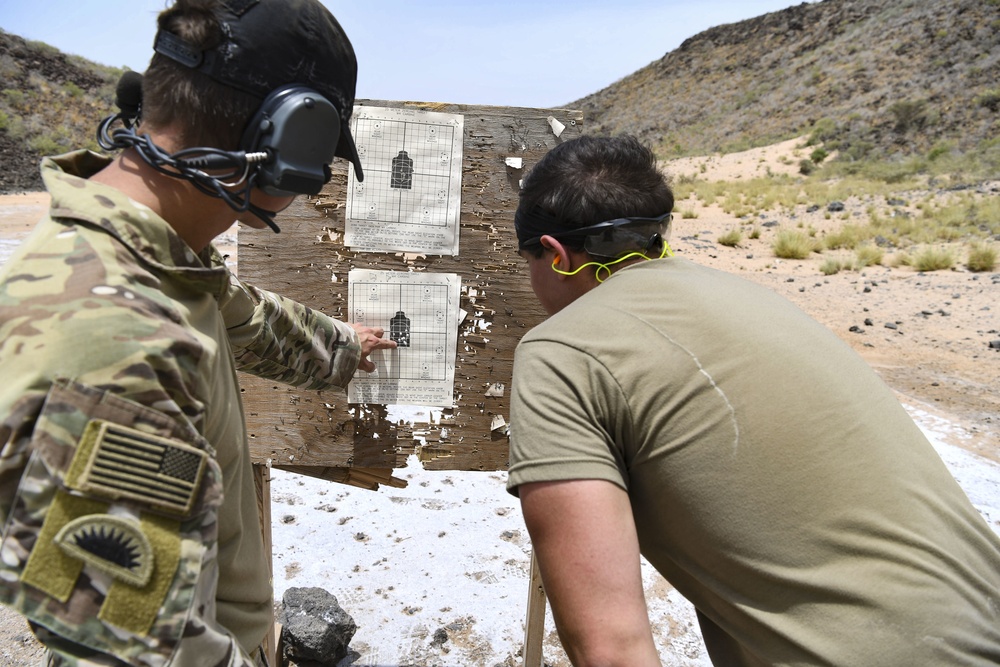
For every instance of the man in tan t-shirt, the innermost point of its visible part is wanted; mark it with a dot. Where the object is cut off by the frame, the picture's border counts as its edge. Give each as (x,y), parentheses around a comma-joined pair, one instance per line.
(681,413)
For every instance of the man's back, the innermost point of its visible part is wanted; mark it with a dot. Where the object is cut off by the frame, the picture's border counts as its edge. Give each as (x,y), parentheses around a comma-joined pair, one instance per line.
(774,479)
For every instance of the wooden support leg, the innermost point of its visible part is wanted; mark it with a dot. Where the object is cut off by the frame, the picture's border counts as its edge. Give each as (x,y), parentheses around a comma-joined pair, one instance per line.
(534,623)
(262,483)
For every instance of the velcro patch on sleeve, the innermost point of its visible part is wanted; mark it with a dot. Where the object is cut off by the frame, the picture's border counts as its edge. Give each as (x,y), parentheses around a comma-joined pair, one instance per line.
(118,462)
(135,609)
(112,544)
(49,568)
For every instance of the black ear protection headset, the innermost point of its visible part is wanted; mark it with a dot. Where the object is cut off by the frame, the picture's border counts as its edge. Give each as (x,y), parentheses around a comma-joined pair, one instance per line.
(298,129)
(286,149)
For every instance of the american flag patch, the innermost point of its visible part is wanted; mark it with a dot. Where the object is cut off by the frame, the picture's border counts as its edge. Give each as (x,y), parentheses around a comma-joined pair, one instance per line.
(129,464)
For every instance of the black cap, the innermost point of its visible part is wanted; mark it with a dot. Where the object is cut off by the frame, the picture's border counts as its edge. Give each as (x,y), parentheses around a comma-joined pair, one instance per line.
(269,43)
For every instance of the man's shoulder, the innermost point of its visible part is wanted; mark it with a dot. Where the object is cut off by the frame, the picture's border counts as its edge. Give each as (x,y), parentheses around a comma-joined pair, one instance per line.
(72,286)
(63,255)
(572,327)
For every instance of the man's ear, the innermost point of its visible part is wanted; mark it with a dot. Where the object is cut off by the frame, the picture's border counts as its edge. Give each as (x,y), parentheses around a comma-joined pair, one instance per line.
(561,259)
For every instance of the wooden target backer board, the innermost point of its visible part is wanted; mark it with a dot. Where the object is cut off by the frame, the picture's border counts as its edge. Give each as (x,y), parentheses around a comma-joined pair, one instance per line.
(308,262)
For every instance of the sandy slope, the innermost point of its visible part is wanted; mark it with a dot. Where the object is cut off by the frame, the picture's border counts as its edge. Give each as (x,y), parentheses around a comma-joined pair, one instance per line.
(935,354)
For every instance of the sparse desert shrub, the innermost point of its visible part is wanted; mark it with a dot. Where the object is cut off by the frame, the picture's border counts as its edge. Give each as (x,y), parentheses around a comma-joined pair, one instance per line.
(72,89)
(38,83)
(908,114)
(45,49)
(45,145)
(14,97)
(806,167)
(848,236)
(816,76)
(989,99)
(868,254)
(792,244)
(933,259)
(688,213)
(818,155)
(857,150)
(982,257)
(755,232)
(896,173)
(735,204)
(831,266)
(705,191)
(731,238)
(938,150)
(824,130)
(9,67)
(15,127)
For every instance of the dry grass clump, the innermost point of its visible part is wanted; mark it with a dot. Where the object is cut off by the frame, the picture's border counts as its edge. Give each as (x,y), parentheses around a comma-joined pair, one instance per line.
(793,244)
(928,259)
(731,238)
(982,257)
(868,254)
(865,255)
(832,265)
(848,237)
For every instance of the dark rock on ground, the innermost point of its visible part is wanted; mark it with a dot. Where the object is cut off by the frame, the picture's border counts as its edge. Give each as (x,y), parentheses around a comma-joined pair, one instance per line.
(315,630)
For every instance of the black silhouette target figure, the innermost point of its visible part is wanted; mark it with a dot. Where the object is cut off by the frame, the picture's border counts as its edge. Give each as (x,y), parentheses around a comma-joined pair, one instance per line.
(399,329)
(402,172)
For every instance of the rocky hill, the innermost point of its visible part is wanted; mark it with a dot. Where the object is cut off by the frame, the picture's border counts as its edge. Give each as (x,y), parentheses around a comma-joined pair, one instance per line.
(874,78)
(870,79)
(50,103)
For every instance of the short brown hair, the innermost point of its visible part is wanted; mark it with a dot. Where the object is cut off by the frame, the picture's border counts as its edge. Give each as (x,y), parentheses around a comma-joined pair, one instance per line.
(206,112)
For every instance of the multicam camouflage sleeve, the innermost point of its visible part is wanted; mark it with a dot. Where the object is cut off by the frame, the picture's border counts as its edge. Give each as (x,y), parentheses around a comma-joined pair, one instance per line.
(112,525)
(280,339)
(110,488)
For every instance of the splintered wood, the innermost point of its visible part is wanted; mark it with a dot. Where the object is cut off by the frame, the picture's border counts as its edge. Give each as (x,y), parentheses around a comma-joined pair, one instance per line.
(318,432)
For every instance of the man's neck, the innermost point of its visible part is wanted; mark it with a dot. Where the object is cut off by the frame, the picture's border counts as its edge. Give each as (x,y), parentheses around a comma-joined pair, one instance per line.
(196,217)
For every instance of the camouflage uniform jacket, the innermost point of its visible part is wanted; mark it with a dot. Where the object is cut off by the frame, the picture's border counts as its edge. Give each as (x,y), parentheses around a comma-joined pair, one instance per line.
(130,524)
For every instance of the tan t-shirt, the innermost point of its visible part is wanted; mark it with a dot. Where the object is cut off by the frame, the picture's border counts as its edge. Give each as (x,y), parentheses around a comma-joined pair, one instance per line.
(775,480)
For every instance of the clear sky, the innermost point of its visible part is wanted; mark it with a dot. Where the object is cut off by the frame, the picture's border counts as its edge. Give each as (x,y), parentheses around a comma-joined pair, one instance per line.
(537,53)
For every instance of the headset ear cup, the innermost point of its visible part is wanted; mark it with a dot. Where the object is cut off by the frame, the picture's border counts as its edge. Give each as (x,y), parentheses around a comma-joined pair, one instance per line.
(298,129)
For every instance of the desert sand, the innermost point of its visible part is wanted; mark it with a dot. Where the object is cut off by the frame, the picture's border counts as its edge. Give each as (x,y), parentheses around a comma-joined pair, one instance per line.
(928,335)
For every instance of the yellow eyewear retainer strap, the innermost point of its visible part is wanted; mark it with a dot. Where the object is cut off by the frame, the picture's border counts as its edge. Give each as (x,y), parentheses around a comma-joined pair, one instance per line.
(667,251)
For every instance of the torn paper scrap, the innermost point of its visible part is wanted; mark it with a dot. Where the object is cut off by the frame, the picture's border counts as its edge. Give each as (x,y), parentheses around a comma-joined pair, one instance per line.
(499,423)
(557,127)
